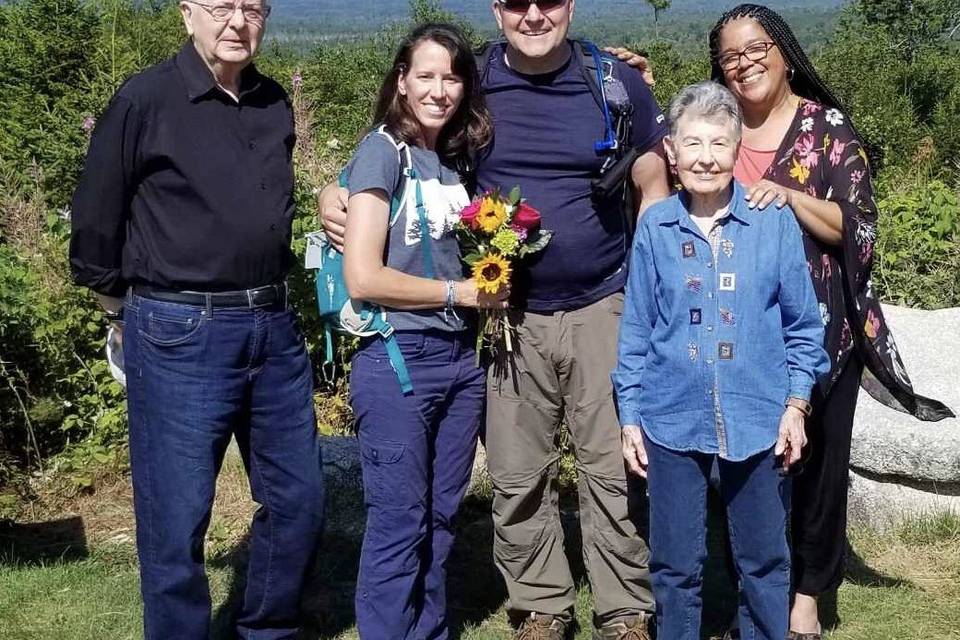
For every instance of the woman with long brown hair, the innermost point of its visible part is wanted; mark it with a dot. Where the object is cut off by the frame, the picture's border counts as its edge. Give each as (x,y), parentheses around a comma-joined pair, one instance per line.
(416,394)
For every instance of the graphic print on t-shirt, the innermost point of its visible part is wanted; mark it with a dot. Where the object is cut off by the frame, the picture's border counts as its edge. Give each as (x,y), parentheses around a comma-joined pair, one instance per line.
(443,203)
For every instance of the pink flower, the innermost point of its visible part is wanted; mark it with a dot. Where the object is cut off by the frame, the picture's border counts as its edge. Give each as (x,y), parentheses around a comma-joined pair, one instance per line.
(804,145)
(810,108)
(810,160)
(468,215)
(836,152)
(856,176)
(520,231)
(88,124)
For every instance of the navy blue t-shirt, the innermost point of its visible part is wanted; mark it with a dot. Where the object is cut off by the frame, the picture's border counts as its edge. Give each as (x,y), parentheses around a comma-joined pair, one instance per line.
(545,128)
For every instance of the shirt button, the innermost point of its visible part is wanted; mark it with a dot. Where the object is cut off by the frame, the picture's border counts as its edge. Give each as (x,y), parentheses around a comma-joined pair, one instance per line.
(709,265)
(709,392)
(252,144)
(263,186)
(273,226)
(709,361)
(710,327)
(710,294)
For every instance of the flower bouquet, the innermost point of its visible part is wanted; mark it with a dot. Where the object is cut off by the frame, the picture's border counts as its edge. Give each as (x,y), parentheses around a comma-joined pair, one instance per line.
(495,232)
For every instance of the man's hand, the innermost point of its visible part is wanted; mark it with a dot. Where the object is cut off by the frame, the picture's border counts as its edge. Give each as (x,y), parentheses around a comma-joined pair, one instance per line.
(634,453)
(792,437)
(636,61)
(332,204)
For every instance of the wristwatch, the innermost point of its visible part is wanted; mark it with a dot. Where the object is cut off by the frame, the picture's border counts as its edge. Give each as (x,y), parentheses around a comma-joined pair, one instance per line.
(801,404)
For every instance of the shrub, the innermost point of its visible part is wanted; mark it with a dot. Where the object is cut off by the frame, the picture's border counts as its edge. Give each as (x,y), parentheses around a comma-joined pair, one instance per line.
(918,247)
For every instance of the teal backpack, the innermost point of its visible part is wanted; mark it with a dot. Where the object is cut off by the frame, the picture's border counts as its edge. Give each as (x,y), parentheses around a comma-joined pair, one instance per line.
(338,311)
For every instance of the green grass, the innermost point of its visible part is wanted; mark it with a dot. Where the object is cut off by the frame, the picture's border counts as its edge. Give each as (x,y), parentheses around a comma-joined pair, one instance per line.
(69,580)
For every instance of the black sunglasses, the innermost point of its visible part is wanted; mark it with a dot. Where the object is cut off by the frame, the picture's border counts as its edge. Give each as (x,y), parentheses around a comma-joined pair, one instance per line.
(522,6)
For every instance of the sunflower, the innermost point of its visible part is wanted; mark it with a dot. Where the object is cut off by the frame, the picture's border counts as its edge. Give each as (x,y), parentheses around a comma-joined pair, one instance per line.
(492,214)
(491,272)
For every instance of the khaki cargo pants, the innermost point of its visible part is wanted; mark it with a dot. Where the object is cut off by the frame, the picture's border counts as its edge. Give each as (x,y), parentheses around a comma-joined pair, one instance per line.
(562,364)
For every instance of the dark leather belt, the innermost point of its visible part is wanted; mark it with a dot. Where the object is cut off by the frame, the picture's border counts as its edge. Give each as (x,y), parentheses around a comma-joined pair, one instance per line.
(267,296)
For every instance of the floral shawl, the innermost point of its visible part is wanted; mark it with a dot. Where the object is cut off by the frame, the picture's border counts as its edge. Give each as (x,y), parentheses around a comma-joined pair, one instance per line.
(822,156)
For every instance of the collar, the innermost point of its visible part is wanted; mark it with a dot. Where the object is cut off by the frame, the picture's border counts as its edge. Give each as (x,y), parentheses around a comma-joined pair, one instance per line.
(199,79)
(737,210)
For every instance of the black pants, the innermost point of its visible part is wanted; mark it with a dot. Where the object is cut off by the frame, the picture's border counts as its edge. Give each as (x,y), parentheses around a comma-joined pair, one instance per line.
(819,516)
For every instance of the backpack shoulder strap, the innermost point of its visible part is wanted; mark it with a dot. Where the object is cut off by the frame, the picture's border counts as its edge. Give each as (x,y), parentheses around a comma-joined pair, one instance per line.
(588,57)
(482,56)
(399,200)
(399,197)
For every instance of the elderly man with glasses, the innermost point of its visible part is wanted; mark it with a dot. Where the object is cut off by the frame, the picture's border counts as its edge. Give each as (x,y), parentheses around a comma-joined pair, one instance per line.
(181,225)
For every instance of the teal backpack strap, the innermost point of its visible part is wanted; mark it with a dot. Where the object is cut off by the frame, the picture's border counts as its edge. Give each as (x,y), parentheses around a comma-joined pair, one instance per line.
(428,269)
(393,352)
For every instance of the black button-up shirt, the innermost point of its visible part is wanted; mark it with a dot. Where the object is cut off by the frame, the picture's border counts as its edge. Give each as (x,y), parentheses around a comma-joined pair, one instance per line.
(184,187)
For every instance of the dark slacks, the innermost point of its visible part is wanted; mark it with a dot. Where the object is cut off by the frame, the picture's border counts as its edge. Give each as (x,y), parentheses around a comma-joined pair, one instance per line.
(196,376)
(417,453)
(819,517)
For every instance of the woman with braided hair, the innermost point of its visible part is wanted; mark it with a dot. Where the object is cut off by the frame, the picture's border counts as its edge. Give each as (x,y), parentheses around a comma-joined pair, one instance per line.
(800,150)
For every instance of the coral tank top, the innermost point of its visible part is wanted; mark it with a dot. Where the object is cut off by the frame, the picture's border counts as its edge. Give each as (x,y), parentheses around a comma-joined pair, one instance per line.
(752,164)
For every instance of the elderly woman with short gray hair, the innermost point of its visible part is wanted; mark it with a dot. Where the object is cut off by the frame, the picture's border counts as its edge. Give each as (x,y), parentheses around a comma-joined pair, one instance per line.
(720,346)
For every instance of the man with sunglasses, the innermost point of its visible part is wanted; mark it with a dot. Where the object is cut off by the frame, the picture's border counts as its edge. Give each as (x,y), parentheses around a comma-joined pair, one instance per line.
(547,129)
(182,223)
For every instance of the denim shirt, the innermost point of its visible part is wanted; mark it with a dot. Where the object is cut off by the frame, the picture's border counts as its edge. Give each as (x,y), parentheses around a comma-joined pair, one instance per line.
(717,335)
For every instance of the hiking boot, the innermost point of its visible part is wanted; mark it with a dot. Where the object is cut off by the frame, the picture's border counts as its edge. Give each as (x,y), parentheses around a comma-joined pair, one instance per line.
(635,628)
(540,626)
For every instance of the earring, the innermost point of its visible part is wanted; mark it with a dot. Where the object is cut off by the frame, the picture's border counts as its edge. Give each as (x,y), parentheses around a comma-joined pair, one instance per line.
(790,73)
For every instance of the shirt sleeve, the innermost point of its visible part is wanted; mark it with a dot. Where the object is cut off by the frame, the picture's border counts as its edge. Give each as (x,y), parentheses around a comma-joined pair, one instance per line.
(848,176)
(799,312)
(375,165)
(636,325)
(649,125)
(101,204)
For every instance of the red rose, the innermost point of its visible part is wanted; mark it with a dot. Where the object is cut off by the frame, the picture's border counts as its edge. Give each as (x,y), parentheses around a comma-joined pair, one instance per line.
(468,215)
(526,217)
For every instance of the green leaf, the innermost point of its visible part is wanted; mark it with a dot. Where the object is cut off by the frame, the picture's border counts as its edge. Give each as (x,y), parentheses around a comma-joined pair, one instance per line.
(514,196)
(537,245)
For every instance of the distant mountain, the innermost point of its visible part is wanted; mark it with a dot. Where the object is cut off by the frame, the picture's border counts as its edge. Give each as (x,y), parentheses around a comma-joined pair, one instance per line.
(337,15)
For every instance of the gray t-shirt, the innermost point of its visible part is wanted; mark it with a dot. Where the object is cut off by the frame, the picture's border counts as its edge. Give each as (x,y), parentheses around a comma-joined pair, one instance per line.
(375,165)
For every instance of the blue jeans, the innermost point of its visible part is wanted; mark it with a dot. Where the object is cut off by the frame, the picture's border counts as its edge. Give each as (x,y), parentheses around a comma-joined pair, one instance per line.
(757,500)
(194,377)
(417,454)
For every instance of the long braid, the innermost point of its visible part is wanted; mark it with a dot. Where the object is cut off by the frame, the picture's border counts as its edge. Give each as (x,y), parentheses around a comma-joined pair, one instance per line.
(806,82)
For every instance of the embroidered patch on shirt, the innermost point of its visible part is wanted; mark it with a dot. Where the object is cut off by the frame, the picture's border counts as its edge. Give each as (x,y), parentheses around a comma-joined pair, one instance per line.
(693,350)
(725,351)
(726,245)
(727,317)
(694,283)
(689,249)
(728,282)
(695,316)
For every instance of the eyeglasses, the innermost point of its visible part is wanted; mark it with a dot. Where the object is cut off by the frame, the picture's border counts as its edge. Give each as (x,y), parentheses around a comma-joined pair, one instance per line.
(754,53)
(255,13)
(522,6)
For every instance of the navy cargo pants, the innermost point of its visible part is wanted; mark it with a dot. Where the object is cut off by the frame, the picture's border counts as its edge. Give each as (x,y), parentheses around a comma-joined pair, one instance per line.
(417,454)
